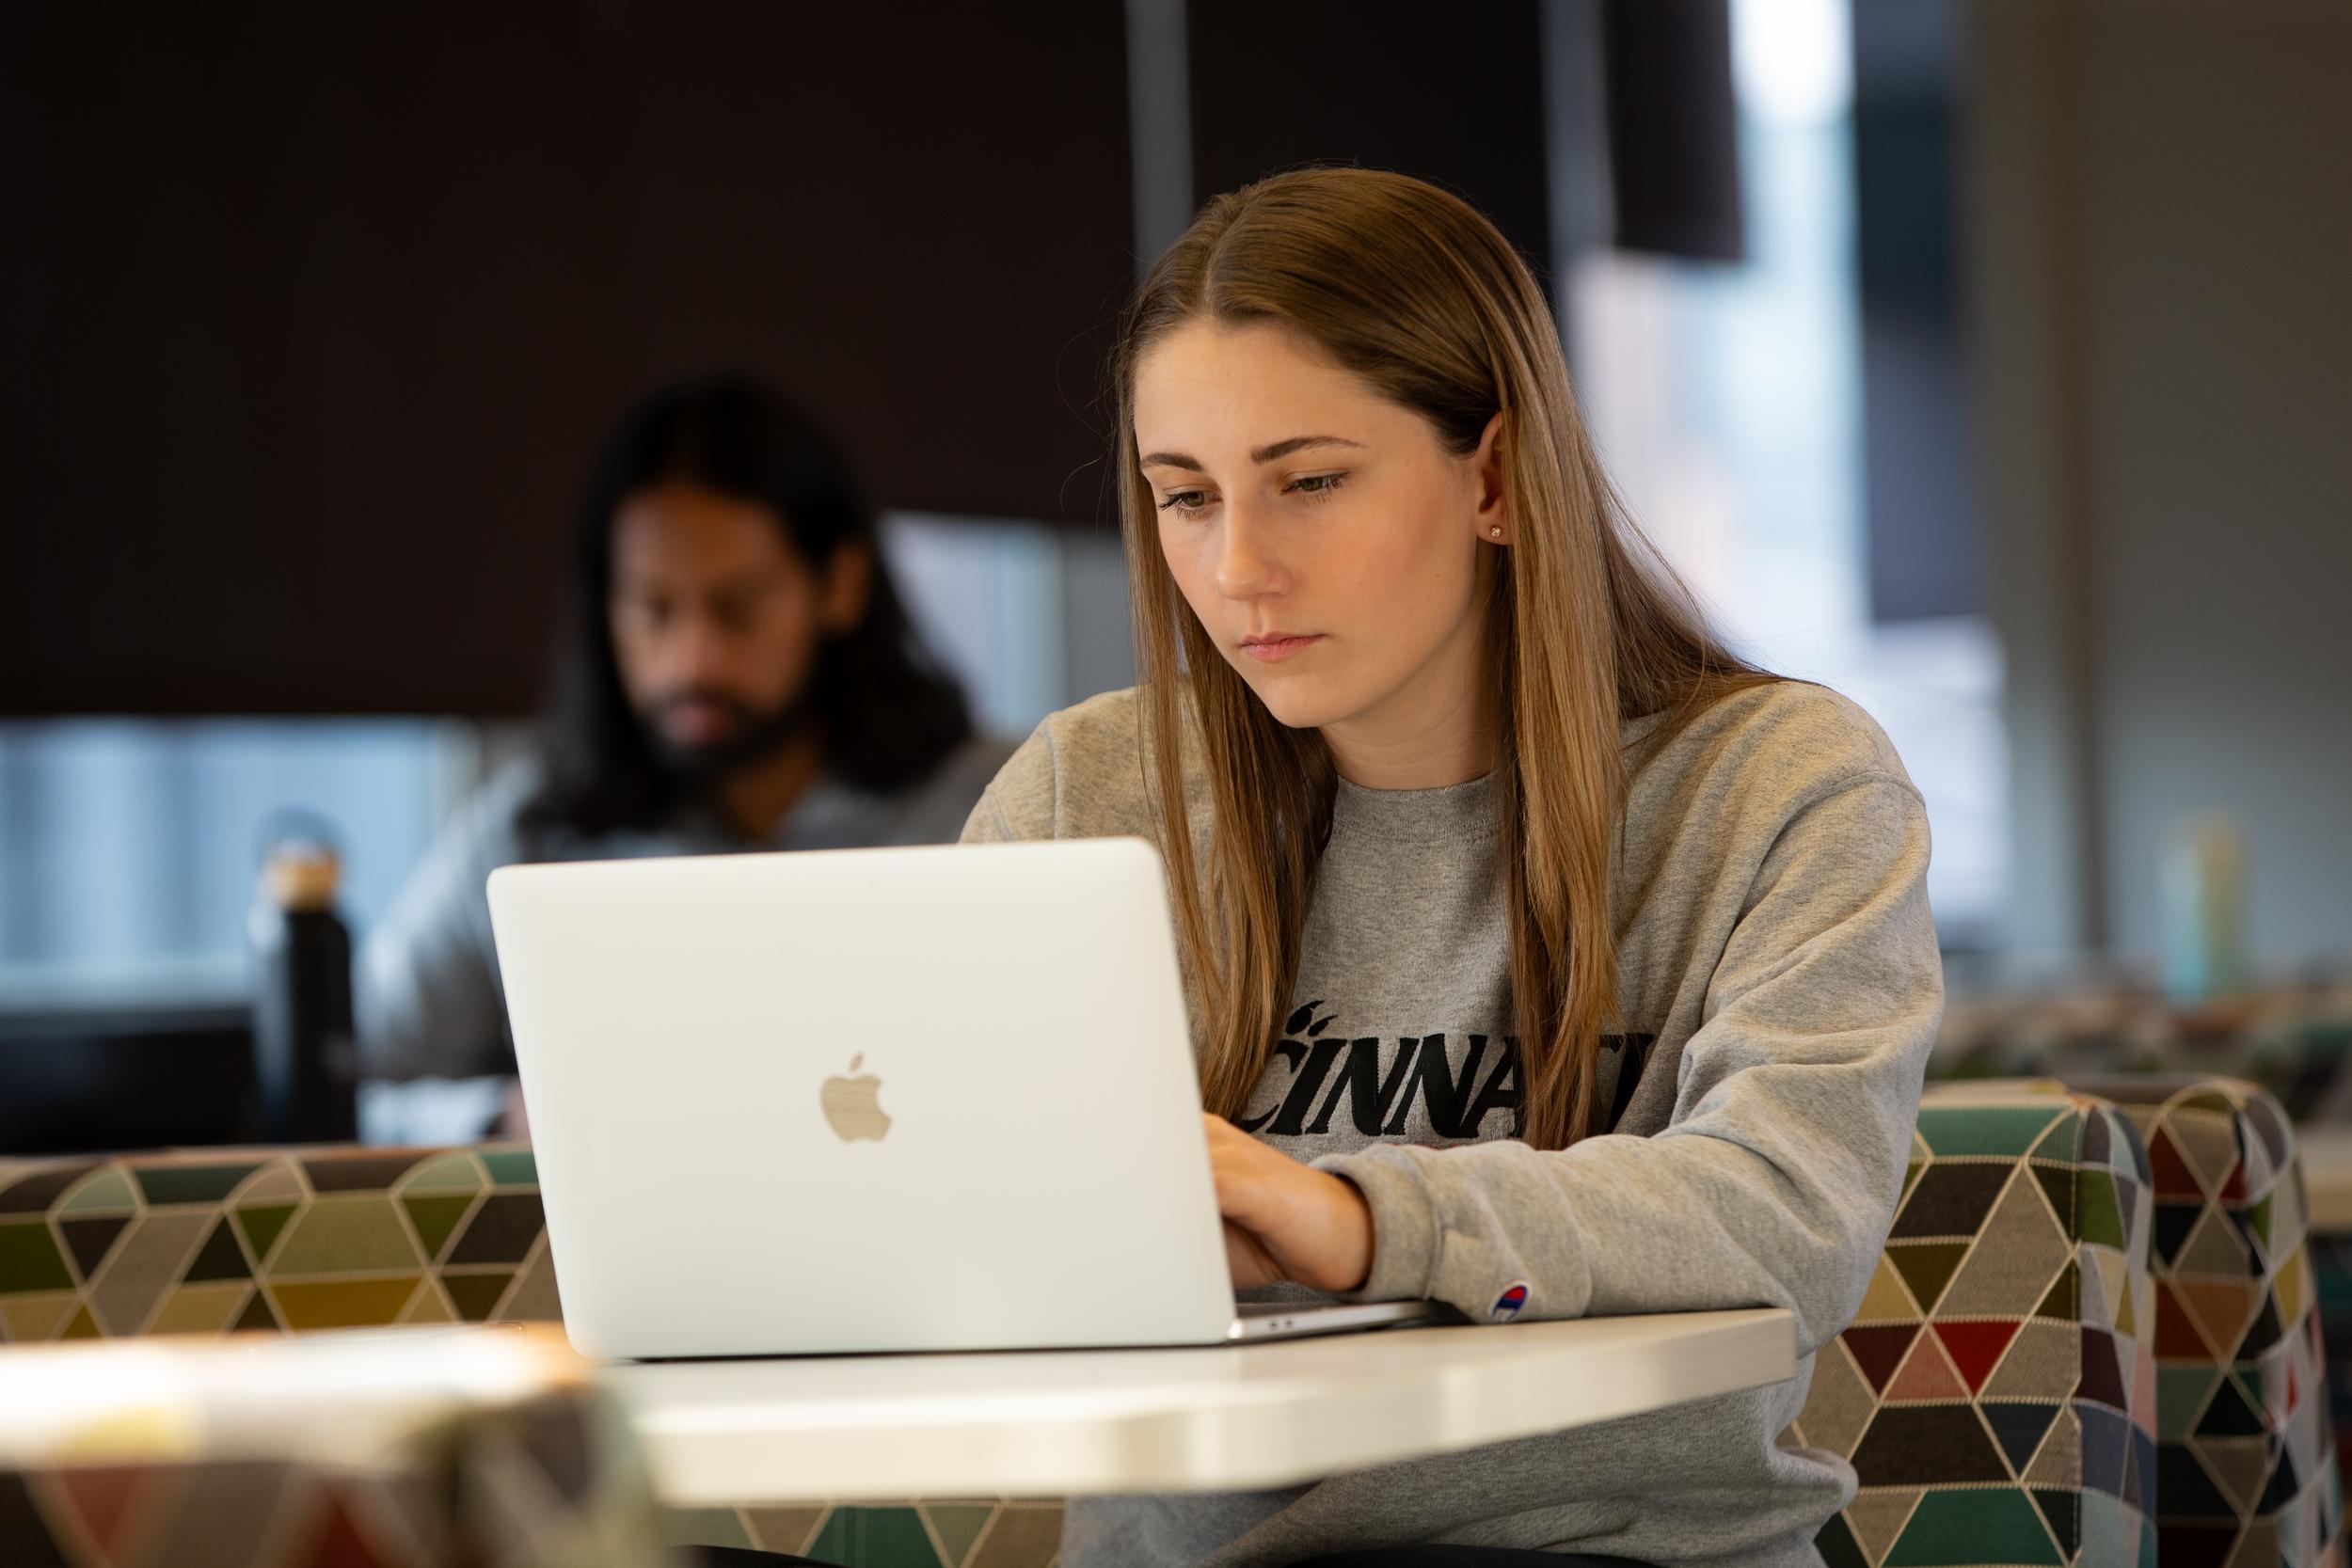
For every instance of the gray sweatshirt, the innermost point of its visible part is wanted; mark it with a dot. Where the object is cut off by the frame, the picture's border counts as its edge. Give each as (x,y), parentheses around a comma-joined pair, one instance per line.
(1779,990)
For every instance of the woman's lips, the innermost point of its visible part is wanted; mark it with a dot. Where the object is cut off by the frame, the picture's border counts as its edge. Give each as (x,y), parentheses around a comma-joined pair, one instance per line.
(1274,650)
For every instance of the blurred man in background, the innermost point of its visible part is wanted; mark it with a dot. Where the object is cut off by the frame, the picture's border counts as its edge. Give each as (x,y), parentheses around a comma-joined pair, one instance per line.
(740,675)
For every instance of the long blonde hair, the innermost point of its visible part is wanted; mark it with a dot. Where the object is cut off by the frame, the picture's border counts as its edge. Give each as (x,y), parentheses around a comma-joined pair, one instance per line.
(1412,289)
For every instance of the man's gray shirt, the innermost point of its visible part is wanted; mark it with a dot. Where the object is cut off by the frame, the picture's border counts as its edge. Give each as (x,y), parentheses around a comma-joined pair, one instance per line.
(427,991)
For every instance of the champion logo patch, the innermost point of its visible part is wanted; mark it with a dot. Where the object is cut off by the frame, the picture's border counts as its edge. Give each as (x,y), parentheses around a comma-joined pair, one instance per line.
(1507,1306)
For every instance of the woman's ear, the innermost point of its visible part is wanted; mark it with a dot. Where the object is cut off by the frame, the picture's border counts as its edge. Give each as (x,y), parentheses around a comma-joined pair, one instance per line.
(1493,515)
(848,586)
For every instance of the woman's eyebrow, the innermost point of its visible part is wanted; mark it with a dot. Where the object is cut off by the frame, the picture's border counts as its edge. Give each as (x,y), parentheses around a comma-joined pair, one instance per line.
(1299,443)
(1263,454)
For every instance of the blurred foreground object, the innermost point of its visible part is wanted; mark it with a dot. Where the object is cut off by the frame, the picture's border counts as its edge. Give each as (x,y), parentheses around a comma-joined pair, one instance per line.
(422,1448)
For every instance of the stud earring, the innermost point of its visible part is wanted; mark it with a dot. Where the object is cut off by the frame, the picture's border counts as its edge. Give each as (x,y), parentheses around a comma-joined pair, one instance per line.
(1494,532)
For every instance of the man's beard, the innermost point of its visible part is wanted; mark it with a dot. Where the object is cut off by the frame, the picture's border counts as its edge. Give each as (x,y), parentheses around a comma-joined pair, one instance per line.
(759,735)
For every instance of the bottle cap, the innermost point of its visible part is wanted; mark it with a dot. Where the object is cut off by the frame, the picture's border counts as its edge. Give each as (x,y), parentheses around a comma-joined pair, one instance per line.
(300,877)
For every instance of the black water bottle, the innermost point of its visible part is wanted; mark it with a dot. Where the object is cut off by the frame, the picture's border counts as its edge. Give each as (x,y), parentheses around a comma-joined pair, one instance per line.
(305,1066)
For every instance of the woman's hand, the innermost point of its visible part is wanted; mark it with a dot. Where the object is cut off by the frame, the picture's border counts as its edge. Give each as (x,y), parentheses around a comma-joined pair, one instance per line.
(1284,1220)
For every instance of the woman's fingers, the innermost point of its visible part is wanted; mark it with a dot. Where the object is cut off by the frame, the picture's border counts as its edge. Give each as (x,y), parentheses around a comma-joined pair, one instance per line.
(1300,1223)
(1231,1158)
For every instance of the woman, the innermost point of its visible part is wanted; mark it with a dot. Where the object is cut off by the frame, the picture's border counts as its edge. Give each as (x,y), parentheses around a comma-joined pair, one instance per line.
(1545,960)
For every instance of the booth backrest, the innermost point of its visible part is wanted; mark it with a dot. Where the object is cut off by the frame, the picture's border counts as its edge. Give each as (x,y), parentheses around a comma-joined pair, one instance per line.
(209,1241)
(2093,1336)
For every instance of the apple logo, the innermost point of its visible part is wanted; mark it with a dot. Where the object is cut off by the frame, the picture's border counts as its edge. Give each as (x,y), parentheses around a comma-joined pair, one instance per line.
(851,1106)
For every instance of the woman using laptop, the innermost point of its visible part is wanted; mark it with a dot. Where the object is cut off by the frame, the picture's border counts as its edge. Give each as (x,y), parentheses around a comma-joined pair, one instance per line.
(1545,960)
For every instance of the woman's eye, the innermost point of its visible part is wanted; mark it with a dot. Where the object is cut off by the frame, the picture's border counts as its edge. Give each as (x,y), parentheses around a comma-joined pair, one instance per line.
(1317,485)
(1186,501)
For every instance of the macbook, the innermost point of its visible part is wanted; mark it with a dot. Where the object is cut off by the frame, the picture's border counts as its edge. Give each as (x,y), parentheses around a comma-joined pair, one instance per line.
(873,1099)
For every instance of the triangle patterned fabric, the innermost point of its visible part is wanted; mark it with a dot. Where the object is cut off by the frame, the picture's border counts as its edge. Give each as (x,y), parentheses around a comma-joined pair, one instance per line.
(1996,1396)
(2093,1336)
(245,1241)
(2117,1272)
(2248,1462)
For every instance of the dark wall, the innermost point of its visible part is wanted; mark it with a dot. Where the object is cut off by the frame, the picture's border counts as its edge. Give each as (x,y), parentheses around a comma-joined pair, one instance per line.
(1673,127)
(1919,479)
(312,314)
(106,1080)
(1380,83)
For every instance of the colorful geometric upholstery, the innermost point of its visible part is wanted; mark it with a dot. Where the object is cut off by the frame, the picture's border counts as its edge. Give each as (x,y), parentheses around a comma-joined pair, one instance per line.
(223,1240)
(2296,1041)
(969,1532)
(2246,1459)
(204,1243)
(1996,1392)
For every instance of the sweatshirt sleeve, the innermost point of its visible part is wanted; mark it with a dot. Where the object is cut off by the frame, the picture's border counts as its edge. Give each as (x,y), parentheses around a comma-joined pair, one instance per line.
(1019,802)
(1776,1178)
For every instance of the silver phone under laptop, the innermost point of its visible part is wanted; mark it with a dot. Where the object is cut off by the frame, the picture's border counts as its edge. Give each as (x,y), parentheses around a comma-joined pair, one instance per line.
(871,1099)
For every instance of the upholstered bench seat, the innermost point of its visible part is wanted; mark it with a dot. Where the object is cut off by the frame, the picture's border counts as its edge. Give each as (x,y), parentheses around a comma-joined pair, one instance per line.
(2092,1337)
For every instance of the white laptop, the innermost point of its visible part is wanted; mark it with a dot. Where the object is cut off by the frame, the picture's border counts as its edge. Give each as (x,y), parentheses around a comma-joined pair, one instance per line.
(871,1099)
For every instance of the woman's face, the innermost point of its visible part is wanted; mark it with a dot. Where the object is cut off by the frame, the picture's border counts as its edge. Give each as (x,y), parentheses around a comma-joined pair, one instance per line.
(1334,551)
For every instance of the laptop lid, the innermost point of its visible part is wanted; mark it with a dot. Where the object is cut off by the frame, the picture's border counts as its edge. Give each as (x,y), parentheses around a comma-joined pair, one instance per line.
(877,1100)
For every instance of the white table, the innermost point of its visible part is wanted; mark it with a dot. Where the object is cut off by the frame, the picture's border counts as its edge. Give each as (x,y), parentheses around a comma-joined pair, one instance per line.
(2327,1176)
(1058,1424)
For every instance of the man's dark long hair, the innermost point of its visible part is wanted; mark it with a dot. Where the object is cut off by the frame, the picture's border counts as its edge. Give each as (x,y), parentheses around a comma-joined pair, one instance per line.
(888,715)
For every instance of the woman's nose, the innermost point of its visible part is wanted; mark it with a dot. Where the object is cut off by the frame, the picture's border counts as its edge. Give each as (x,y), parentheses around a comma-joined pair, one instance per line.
(1244,569)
